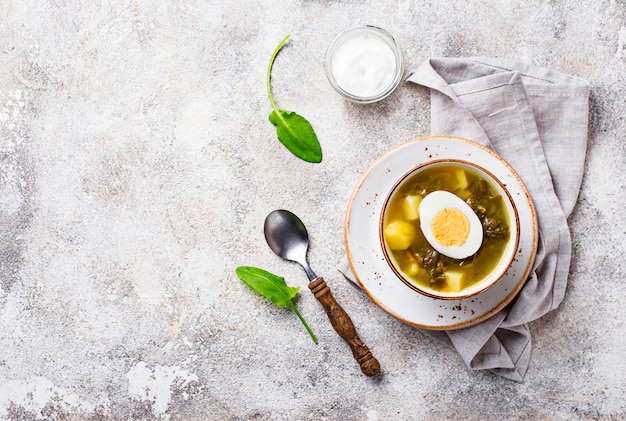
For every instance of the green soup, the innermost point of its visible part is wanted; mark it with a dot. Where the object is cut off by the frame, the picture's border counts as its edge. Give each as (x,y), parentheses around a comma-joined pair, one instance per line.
(412,254)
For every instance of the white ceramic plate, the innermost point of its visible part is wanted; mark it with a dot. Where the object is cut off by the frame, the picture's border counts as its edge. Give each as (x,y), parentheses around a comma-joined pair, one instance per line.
(365,252)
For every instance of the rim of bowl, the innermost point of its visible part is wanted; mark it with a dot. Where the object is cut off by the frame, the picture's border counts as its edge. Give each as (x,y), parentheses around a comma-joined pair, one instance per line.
(498,272)
(388,39)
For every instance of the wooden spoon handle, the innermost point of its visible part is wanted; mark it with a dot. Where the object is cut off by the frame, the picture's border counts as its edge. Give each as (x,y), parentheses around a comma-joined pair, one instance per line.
(345,328)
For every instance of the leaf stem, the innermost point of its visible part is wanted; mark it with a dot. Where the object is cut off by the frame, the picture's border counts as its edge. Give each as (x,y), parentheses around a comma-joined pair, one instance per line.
(269,71)
(303,321)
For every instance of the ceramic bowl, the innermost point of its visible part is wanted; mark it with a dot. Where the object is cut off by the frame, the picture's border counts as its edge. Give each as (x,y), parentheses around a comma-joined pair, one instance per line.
(475,286)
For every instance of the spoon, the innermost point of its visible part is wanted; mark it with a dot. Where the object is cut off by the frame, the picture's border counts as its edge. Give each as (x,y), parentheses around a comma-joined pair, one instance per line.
(288,238)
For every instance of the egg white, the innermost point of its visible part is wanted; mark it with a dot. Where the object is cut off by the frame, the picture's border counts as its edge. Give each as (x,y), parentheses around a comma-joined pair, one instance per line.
(439,200)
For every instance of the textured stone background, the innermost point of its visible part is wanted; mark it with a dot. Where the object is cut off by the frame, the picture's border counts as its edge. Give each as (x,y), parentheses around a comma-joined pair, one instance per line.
(137,167)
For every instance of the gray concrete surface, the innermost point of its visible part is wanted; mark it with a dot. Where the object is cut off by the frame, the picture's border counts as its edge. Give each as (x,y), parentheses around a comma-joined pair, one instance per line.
(137,167)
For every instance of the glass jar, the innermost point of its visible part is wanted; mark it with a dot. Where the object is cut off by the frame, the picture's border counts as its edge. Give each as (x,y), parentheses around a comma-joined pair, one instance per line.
(364,64)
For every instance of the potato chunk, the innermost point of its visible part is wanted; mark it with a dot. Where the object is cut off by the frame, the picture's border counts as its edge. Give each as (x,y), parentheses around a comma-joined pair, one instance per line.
(461,178)
(399,235)
(454,280)
(410,207)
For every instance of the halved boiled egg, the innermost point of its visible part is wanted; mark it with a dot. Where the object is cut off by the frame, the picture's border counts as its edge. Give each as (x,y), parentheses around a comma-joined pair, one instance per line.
(450,225)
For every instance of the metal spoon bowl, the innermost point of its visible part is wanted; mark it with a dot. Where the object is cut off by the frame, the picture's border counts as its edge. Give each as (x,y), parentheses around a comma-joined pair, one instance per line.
(287,236)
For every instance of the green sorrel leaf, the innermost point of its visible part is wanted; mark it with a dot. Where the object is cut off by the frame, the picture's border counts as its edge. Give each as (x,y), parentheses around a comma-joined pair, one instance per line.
(268,285)
(273,287)
(293,130)
(296,133)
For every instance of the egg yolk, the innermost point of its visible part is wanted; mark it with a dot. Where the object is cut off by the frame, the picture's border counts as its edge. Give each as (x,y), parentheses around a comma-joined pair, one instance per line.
(450,227)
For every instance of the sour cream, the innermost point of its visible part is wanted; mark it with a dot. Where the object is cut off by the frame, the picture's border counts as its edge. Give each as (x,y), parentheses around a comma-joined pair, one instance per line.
(364,64)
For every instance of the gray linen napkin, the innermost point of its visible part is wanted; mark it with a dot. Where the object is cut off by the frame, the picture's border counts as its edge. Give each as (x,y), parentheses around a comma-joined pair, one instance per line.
(537,120)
